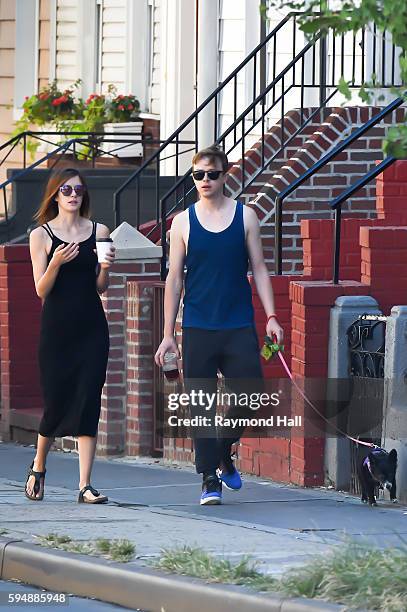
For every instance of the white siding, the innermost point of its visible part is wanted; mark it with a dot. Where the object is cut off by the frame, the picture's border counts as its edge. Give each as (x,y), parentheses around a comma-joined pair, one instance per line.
(155,90)
(113,44)
(66,69)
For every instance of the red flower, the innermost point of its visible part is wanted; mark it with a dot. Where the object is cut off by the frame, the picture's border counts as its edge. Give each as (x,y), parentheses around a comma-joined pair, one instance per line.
(57,101)
(26,98)
(63,99)
(130,107)
(121,107)
(43,96)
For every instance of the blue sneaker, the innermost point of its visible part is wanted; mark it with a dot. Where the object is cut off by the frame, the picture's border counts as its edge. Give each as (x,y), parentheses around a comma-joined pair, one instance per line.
(230,476)
(211,491)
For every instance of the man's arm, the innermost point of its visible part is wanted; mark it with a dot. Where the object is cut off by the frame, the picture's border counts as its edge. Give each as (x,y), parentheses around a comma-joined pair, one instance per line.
(260,273)
(173,288)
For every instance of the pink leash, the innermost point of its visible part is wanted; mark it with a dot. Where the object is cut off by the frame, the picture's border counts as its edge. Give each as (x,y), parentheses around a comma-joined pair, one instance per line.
(287,369)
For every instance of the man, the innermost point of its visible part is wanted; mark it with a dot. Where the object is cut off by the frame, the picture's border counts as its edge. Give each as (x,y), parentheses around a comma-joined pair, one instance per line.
(215,238)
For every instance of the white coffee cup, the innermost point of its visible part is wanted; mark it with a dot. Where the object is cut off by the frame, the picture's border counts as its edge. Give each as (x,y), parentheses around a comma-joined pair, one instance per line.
(103,247)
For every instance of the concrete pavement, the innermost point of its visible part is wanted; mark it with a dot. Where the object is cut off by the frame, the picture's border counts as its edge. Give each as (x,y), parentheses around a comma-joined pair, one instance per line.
(156,507)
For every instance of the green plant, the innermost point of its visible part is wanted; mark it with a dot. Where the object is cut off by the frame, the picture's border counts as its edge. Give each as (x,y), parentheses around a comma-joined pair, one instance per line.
(94,113)
(115,550)
(50,105)
(122,108)
(355,575)
(65,113)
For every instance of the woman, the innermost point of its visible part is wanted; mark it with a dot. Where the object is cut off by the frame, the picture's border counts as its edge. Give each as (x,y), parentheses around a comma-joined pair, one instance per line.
(74,339)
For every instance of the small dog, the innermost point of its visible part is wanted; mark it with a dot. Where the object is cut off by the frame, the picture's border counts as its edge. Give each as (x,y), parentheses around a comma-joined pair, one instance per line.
(378,470)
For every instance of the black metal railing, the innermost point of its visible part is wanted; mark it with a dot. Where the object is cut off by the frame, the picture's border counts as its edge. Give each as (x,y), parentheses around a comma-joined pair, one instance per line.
(319,65)
(337,203)
(85,146)
(366,349)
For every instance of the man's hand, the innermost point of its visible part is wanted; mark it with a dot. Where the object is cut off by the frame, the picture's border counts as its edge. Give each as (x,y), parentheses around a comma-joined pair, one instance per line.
(168,345)
(273,329)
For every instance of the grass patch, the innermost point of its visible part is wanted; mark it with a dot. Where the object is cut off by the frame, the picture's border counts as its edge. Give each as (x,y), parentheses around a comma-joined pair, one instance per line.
(115,550)
(196,562)
(353,575)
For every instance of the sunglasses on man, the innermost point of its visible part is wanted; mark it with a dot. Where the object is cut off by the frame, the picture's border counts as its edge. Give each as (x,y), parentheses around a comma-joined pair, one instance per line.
(213,175)
(66,190)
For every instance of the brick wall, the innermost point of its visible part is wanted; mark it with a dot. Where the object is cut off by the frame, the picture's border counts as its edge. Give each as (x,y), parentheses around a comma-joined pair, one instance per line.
(119,306)
(20,310)
(20,314)
(140,379)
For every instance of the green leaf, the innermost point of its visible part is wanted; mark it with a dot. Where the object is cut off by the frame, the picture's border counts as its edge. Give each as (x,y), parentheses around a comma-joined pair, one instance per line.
(344,89)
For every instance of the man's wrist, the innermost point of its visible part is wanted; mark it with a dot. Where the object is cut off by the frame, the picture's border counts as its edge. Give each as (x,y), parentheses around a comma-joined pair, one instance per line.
(271,316)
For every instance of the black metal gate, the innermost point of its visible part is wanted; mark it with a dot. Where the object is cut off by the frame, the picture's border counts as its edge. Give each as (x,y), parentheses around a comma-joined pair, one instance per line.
(366,342)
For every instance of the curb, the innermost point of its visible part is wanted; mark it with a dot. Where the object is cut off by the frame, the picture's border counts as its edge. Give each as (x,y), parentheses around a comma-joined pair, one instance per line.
(143,588)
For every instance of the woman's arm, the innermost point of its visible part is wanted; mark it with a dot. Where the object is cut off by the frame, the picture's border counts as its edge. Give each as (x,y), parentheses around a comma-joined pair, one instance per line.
(102,279)
(45,274)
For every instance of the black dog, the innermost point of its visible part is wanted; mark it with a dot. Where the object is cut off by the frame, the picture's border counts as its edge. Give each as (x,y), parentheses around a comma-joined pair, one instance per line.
(378,470)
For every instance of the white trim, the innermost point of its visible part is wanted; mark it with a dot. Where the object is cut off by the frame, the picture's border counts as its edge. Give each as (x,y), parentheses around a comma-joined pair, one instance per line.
(252,39)
(36,43)
(177,68)
(136,64)
(98,46)
(87,49)
(53,40)
(208,66)
(26,52)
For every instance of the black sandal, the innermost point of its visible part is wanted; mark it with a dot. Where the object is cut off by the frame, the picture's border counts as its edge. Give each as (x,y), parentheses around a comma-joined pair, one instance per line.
(37,484)
(100,499)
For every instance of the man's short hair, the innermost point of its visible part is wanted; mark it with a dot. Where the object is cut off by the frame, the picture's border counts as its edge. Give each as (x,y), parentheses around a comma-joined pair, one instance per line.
(212,153)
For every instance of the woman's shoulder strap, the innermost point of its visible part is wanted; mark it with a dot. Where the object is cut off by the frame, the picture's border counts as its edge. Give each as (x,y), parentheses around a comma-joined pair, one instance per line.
(94,227)
(48,230)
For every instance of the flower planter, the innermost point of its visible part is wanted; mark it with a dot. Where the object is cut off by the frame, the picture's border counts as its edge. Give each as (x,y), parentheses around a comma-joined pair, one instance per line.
(55,140)
(117,129)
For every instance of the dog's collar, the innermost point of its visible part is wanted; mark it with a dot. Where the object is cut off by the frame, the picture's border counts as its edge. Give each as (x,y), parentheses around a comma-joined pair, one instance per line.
(367,460)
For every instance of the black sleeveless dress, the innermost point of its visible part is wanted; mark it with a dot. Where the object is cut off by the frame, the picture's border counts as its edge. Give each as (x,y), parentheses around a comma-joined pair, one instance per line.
(74,346)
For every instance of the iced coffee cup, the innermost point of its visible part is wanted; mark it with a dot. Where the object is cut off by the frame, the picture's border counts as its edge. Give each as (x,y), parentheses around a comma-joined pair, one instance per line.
(103,247)
(170,367)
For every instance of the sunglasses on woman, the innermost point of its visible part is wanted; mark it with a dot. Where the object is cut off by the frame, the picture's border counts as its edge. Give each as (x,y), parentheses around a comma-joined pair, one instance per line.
(66,190)
(213,175)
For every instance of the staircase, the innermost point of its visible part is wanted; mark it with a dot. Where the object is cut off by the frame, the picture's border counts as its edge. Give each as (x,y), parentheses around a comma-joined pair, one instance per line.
(328,128)
(271,157)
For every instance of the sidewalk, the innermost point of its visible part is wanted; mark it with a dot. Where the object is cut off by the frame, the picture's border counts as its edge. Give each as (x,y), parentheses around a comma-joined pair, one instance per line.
(156,506)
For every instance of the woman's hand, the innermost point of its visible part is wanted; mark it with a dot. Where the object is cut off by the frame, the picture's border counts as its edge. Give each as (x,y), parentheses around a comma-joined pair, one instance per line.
(64,254)
(109,258)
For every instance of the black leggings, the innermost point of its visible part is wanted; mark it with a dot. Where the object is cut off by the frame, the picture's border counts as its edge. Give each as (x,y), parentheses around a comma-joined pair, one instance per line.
(235,353)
